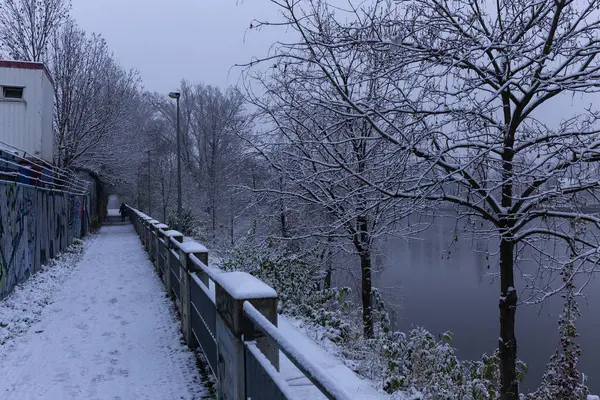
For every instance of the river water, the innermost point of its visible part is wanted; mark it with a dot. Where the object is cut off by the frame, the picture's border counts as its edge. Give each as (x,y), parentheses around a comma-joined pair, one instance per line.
(427,283)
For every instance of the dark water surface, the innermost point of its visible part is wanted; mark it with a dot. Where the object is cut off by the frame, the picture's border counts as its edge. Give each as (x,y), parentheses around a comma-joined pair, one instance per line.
(428,286)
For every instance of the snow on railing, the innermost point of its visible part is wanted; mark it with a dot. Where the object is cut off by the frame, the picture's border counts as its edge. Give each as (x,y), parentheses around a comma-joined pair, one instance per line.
(217,307)
(312,371)
(263,362)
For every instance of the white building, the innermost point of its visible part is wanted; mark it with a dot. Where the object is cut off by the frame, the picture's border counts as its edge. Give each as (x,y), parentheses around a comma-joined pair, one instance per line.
(26,108)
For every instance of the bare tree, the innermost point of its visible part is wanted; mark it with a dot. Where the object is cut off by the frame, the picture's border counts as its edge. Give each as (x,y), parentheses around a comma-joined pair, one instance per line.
(212,122)
(27,26)
(214,146)
(324,157)
(163,164)
(96,103)
(470,86)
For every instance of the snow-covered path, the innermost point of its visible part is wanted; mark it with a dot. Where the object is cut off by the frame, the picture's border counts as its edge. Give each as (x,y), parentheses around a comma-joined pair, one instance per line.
(110,334)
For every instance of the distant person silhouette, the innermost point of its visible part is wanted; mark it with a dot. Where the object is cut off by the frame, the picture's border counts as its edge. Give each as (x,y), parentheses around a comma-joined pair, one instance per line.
(123,211)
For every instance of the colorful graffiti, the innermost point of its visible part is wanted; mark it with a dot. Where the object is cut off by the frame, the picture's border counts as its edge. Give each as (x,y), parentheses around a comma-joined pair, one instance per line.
(35,225)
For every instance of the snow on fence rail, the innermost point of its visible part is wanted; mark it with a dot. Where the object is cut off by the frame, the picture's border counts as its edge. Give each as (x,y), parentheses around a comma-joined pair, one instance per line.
(231,316)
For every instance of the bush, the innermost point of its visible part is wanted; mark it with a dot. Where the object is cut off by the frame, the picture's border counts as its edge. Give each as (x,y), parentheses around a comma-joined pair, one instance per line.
(562,379)
(327,309)
(416,366)
(420,363)
(188,221)
(298,280)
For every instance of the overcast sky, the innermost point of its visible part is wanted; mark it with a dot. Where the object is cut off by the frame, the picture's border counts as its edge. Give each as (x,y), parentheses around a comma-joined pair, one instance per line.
(200,40)
(167,40)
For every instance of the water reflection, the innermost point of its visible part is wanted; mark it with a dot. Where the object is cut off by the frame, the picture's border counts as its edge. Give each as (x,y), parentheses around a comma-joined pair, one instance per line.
(443,280)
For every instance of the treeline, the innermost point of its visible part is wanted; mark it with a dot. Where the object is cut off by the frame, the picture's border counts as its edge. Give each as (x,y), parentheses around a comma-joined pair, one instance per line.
(365,115)
(97,101)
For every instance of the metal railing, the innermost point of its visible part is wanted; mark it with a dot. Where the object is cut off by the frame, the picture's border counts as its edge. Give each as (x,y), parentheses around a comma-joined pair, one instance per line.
(218,318)
(312,371)
(204,321)
(174,271)
(17,166)
(52,209)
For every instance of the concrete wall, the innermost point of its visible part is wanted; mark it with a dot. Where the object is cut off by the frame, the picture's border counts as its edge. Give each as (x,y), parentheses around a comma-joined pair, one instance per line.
(35,225)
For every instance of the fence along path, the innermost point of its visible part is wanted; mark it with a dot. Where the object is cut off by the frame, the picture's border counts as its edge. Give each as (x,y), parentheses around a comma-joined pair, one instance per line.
(29,170)
(231,316)
(43,209)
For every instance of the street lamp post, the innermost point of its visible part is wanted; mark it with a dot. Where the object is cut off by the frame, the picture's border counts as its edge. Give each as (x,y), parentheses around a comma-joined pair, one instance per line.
(149,188)
(176,96)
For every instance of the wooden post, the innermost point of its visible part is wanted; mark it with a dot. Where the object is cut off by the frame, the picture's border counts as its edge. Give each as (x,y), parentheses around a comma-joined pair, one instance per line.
(151,242)
(148,224)
(143,233)
(170,246)
(160,235)
(202,275)
(159,229)
(145,229)
(232,290)
(187,268)
(152,224)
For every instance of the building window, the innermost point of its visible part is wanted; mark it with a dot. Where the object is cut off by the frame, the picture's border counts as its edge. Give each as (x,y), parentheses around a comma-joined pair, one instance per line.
(11,92)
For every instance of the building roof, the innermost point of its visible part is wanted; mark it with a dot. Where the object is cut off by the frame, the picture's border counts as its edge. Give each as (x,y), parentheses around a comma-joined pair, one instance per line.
(26,65)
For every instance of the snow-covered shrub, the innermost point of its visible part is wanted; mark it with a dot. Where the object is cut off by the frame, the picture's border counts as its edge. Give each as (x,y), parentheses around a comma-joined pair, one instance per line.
(420,363)
(418,360)
(327,308)
(291,274)
(381,317)
(188,221)
(299,282)
(415,365)
(483,380)
(562,379)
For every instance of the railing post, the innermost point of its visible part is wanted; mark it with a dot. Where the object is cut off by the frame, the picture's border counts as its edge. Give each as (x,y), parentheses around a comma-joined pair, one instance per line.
(177,236)
(151,242)
(157,232)
(143,234)
(146,230)
(148,233)
(232,290)
(152,233)
(185,302)
(160,235)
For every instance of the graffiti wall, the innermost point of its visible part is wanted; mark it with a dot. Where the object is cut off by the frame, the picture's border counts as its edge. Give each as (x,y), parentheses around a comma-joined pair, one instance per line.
(35,226)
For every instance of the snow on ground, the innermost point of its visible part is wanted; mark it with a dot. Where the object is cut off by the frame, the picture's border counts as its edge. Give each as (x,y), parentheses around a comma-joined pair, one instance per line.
(26,303)
(110,333)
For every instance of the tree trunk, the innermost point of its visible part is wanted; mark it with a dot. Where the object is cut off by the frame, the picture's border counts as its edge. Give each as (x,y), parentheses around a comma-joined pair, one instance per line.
(214,221)
(282,217)
(327,283)
(509,386)
(508,307)
(282,222)
(365,267)
(362,242)
(231,231)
